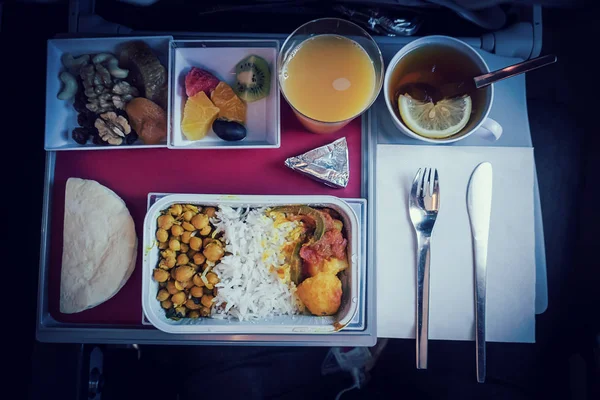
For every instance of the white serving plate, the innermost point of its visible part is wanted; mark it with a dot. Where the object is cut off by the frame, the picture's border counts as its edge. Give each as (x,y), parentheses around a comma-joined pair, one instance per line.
(296,324)
(61,117)
(220,57)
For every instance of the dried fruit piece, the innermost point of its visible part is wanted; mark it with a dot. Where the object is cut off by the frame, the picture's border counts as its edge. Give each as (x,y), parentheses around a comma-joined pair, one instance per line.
(145,72)
(198,116)
(231,107)
(86,119)
(81,135)
(97,140)
(132,137)
(80,101)
(198,80)
(147,119)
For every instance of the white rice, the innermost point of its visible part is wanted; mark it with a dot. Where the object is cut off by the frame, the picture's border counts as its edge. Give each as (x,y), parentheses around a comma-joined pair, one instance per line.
(249,284)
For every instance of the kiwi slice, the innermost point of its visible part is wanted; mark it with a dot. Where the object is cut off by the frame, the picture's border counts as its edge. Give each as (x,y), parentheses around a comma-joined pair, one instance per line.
(253,79)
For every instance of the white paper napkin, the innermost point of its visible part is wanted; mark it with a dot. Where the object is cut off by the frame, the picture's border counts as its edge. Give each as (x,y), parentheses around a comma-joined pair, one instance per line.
(511,258)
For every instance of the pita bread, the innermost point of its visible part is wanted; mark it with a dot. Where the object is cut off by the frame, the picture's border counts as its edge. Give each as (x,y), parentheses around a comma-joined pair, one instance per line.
(99,246)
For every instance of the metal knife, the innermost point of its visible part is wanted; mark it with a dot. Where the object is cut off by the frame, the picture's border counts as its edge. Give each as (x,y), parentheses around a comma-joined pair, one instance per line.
(479,205)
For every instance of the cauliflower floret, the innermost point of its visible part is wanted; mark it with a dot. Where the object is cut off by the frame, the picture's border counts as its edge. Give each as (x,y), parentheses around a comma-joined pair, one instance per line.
(332,266)
(321,294)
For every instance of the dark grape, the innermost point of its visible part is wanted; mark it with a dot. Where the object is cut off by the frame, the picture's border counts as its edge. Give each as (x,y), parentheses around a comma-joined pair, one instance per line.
(229,130)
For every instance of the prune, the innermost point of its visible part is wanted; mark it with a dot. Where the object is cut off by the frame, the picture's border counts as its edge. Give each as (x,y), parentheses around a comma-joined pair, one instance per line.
(121,113)
(132,137)
(81,135)
(86,119)
(80,101)
(97,140)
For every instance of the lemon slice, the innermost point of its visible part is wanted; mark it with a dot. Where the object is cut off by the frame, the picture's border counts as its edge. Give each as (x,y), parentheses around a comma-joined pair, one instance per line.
(439,120)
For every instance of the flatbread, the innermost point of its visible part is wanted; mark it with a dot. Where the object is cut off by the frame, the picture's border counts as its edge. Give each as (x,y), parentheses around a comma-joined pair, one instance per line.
(99,246)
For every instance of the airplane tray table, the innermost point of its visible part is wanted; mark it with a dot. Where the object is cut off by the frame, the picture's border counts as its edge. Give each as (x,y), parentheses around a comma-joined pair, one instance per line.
(133,174)
(363,135)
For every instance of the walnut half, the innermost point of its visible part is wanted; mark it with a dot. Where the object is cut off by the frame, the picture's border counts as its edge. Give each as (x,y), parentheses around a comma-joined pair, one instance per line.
(112,127)
(123,93)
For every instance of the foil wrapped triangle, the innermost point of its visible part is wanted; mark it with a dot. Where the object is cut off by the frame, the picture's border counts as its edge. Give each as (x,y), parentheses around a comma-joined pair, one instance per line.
(326,164)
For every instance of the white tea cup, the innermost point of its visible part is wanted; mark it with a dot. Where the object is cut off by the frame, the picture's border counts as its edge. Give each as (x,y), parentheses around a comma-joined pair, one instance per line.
(479,123)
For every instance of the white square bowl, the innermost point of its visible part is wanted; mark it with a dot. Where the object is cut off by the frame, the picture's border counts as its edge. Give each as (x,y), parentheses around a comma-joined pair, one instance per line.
(220,57)
(61,117)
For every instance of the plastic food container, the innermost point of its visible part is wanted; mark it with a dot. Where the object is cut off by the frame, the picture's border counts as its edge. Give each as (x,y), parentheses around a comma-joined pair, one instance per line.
(61,117)
(219,57)
(275,325)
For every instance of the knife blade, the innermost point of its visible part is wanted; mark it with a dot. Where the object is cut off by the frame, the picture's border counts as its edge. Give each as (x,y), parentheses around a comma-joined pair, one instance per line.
(479,206)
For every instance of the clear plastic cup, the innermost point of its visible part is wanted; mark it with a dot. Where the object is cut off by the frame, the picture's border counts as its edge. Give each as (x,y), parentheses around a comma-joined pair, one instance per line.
(337,27)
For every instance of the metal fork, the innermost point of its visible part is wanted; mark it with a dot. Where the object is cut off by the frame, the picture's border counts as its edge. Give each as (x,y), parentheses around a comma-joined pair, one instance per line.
(423,206)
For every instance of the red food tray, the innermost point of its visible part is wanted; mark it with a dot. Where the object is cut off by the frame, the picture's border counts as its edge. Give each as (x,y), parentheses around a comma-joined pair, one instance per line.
(132,174)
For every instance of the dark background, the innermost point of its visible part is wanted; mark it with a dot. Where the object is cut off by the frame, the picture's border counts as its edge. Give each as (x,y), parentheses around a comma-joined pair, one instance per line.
(563,363)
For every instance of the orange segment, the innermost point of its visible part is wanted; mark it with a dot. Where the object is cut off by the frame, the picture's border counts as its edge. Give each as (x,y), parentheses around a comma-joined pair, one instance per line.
(198,115)
(231,107)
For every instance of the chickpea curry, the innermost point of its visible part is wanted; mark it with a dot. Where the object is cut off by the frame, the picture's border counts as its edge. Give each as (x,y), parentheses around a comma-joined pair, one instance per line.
(189,248)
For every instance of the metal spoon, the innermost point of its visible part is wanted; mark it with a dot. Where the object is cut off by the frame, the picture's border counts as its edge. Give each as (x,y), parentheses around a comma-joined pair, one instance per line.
(429,93)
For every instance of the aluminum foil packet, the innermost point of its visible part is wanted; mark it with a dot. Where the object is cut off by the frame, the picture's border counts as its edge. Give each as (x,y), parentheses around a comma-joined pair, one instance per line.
(326,164)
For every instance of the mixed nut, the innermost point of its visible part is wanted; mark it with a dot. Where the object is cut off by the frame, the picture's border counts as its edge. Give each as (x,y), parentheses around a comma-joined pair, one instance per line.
(112,128)
(101,94)
(101,81)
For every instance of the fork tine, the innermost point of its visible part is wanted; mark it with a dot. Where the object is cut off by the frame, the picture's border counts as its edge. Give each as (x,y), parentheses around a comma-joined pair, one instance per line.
(436,186)
(422,185)
(415,186)
(428,192)
(435,197)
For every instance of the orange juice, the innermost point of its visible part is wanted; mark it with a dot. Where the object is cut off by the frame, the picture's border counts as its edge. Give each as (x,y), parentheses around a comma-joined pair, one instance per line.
(329,78)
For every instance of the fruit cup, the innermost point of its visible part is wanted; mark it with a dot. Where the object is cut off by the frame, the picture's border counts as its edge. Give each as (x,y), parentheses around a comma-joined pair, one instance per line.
(216,118)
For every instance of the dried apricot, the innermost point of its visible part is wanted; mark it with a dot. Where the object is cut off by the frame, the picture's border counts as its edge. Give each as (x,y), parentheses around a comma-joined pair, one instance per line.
(148,119)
